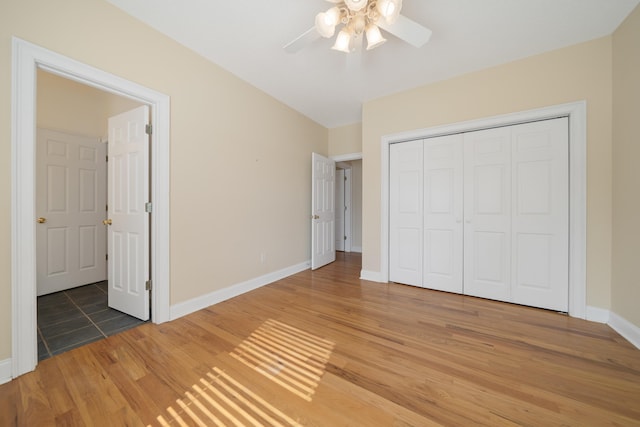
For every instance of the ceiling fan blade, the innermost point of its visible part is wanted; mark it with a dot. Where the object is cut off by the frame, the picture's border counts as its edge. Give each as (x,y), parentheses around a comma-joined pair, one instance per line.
(407,30)
(302,41)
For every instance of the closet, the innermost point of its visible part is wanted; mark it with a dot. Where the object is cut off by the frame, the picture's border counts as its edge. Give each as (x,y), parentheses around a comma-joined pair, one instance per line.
(484,213)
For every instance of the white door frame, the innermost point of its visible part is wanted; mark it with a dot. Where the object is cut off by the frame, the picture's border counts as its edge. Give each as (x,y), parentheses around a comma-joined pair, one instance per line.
(26,59)
(577,113)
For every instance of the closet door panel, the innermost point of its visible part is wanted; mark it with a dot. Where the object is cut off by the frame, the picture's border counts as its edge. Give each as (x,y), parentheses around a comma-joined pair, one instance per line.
(406,212)
(540,262)
(443,197)
(487,214)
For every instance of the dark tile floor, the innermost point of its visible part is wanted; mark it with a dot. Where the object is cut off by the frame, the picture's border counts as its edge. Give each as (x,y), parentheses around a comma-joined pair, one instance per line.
(78,316)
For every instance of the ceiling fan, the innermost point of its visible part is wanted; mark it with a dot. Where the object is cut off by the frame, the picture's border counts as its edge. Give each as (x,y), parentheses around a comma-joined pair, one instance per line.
(360,17)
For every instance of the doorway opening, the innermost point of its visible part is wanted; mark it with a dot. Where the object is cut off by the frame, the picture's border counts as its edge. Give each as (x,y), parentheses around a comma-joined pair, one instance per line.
(71,205)
(348,193)
(26,60)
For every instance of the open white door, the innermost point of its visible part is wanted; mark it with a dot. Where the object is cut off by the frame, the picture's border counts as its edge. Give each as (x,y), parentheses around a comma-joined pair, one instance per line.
(323,178)
(128,193)
(70,202)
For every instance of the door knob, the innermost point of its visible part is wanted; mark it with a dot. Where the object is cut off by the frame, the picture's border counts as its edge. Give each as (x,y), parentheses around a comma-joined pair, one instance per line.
(42,220)
(315,217)
(107,222)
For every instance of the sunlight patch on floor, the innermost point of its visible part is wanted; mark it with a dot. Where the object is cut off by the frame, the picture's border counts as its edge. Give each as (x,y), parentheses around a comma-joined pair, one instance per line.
(288,356)
(291,357)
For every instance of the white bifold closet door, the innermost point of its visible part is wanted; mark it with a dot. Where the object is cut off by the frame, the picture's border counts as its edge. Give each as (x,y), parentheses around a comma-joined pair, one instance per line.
(406,212)
(485,214)
(540,214)
(443,233)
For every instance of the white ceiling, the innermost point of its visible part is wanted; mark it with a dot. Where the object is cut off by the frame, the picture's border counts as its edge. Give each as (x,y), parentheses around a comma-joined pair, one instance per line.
(246,38)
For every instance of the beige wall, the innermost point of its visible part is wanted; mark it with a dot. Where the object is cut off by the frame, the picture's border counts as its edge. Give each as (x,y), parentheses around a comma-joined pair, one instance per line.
(240,168)
(625,290)
(68,106)
(580,72)
(345,139)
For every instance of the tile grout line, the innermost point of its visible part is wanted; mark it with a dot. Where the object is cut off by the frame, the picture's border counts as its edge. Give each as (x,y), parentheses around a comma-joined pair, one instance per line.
(85,314)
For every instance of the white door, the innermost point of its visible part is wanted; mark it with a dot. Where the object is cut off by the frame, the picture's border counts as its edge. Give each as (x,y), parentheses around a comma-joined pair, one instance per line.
(540,206)
(487,213)
(443,198)
(70,203)
(128,192)
(340,207)
(323,171)
(406,212)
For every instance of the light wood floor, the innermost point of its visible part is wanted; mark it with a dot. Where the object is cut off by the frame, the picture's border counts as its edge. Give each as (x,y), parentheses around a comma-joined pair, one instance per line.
(326,349)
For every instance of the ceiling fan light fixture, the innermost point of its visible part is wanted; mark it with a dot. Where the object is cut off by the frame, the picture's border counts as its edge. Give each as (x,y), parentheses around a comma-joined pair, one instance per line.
(343,41)
(374,37)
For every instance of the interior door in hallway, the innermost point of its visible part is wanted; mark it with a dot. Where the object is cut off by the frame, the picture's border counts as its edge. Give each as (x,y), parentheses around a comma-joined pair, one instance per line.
(323,184)
(70,203)
(128,193)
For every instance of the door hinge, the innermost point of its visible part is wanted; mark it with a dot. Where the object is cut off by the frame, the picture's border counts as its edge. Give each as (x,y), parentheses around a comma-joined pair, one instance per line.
(345,178)
(345,237)
(106,257)
(148,129)
(147,285)
(106,208)
(148,207)
(106,159)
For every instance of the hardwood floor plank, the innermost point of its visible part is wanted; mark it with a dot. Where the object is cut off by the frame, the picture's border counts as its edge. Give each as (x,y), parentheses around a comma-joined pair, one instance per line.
(323,348)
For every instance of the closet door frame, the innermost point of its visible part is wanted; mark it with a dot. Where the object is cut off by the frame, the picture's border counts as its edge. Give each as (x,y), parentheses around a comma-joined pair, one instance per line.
(576,112)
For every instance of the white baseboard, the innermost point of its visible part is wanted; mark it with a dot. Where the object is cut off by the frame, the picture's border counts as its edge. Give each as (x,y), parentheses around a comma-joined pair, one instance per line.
(628,330)
(596,314)
(372,276)
(204,301)
(5,371)
(625,328)
(356,249)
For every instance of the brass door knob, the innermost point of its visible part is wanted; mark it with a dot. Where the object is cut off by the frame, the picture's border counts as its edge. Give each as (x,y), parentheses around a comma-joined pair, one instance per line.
(107,222)
(42,220)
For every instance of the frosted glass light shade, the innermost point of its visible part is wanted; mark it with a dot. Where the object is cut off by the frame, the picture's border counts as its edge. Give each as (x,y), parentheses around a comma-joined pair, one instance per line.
(374,37)
(389,9)
(323,25)
(342,41)
(332,16)
(355,5)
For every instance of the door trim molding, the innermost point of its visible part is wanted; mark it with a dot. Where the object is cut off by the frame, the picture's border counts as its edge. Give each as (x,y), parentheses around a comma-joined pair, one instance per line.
(26,59)
(577,114)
